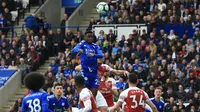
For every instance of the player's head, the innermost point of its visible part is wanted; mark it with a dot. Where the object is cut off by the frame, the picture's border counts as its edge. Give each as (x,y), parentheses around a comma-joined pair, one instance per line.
(158,92)
(58,89)
(132,78)
(79,82)
(100,61)
(34,81)
(89,36)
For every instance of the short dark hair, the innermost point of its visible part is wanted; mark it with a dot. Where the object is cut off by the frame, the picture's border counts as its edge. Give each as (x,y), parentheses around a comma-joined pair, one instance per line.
(34,81)
(57,84)
(88,31)
(79,81)
(133,78)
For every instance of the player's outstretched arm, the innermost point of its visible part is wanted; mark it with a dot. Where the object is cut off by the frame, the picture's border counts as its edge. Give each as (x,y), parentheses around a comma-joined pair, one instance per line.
(153,107)
(119,72)
(77,49)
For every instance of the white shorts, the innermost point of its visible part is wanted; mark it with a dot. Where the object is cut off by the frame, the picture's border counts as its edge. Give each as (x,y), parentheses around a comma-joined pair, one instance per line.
(100,100)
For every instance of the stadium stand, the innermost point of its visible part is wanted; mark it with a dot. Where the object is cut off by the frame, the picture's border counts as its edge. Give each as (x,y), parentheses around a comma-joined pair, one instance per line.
(167,56)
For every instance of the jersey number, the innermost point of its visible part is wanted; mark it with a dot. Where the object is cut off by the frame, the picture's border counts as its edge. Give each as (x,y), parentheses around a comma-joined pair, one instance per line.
(36,105)
(141,102)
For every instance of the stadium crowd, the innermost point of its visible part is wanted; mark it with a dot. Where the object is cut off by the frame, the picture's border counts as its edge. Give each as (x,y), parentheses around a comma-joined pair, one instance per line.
(162,60)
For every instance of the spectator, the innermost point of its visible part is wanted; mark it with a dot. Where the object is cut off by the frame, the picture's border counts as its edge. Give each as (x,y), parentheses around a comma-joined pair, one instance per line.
(63,23)
(31,22)
(34,57)
(57,40)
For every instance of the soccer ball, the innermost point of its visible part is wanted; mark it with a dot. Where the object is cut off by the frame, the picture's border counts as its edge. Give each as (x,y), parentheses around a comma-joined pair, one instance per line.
(102,7)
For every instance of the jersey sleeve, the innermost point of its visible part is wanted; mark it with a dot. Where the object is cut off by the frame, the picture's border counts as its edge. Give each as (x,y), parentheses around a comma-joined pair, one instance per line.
(99,53)
(45,103)
(84,96)
(122,97)
(76,48)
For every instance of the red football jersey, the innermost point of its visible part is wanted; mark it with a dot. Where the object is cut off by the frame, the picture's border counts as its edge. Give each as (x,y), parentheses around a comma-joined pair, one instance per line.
(135,99)
(85,95)
(103,88)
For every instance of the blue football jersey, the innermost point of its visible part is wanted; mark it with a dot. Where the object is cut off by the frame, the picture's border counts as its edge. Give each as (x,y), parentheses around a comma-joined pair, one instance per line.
(56,105)
(159,105)
(36,101)
(88,64)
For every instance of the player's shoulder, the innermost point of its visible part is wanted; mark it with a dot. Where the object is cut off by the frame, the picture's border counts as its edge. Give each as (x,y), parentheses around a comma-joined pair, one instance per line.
(26,97)
(51,96)
(136,89)
(94,44)
(126,91)
(85,93)
(162,101)
(85,90)
(82,42)
(63,97)
(44,93)
(152,99)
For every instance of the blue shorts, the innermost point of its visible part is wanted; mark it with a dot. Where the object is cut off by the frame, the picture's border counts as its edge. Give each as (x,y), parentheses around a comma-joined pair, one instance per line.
(91,80)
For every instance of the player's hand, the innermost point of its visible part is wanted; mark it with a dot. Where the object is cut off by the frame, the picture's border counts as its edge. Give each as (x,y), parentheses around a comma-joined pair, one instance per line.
(80,51)
(126,73)
(90,55)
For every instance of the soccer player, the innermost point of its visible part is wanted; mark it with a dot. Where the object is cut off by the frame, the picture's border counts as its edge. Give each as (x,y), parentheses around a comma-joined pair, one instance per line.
(160,104)
(134,97)
(108,89)
(101,102)
(86,97)
(37,100)
(89,53)
(57,102)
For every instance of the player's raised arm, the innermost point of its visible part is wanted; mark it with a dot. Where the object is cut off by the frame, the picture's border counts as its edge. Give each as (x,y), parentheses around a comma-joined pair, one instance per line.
(119,72)
(77,49)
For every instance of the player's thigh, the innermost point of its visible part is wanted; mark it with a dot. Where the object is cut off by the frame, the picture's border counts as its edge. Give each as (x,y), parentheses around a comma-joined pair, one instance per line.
(100,100)
(91,80)
(94,81)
